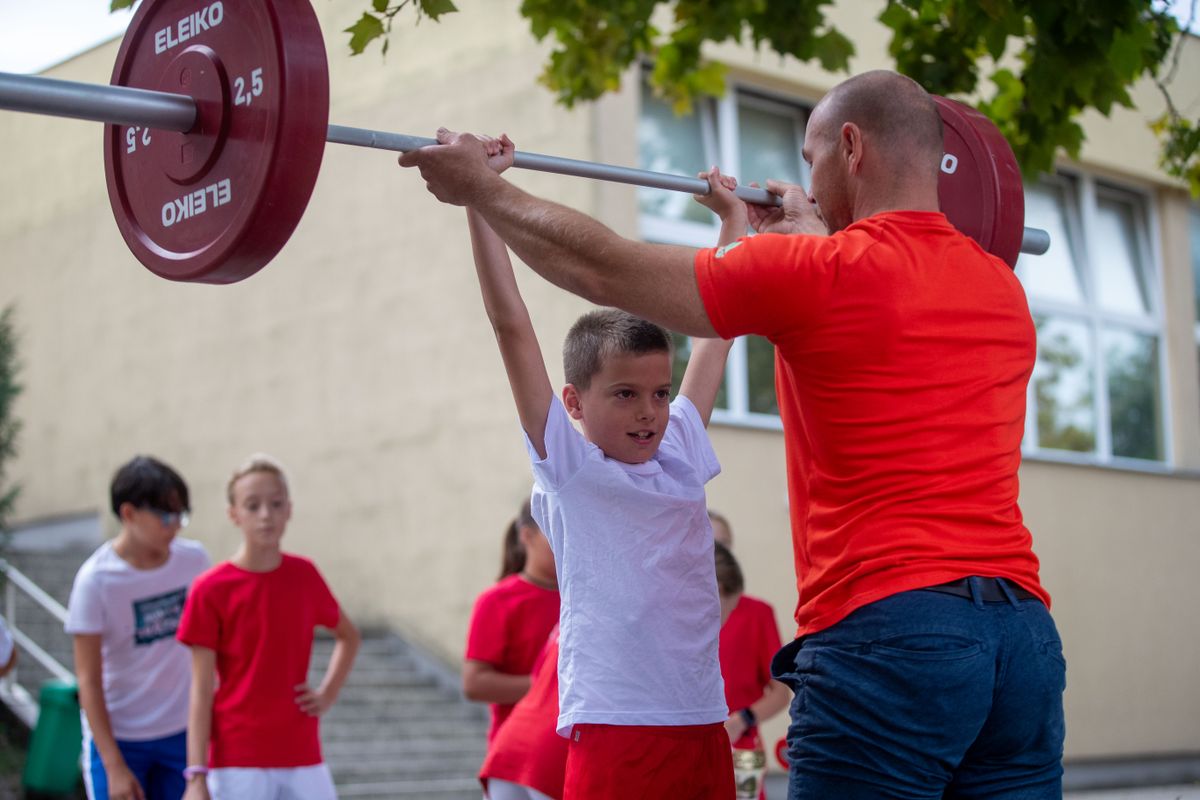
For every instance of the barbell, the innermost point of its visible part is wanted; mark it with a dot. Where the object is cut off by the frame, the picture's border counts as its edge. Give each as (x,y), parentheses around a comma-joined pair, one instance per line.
(217,117)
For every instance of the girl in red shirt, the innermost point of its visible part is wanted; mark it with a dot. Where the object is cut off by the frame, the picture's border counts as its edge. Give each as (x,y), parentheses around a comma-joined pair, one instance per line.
(510,623)
(250,622)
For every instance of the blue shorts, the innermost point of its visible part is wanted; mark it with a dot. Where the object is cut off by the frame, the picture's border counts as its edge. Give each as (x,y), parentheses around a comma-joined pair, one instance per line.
(156,763)
(926,695)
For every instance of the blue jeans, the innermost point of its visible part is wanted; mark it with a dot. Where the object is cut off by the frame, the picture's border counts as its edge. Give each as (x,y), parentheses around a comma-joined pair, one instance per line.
(156,763)
(928,695)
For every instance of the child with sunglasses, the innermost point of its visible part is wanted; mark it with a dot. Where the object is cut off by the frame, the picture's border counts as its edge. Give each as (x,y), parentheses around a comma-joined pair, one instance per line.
(125,605)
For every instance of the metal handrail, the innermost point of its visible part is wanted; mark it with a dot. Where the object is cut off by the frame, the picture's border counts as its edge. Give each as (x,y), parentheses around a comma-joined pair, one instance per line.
(18,580)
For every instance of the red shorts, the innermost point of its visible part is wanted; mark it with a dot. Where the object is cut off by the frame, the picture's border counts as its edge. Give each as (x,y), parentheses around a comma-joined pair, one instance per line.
(629,762)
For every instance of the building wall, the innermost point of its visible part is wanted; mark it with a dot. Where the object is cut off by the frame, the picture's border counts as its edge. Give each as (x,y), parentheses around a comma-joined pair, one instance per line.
(361,358)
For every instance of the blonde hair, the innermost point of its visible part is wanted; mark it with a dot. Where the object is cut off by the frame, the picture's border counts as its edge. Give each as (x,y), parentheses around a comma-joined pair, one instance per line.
(259,462)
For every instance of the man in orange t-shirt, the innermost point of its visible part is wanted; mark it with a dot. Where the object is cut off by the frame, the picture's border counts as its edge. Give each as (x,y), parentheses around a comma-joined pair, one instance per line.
(926,663)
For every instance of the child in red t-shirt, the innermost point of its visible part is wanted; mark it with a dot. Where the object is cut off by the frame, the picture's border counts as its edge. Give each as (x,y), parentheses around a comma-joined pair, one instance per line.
(249,622)
(528,759)
(749,640)
(510,622)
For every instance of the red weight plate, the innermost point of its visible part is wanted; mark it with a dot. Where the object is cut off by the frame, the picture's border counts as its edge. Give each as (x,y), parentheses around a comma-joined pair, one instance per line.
(979,187)
(216,204)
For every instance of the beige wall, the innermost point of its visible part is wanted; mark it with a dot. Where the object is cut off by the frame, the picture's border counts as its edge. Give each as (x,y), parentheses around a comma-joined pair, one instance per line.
(361,358)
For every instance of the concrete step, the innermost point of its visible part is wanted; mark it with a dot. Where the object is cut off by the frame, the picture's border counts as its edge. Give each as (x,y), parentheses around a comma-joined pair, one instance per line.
(404,747)
(369,768)
(436,789)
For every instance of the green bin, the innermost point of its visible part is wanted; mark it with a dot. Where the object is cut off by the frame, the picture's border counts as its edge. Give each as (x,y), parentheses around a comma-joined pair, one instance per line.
(52,766)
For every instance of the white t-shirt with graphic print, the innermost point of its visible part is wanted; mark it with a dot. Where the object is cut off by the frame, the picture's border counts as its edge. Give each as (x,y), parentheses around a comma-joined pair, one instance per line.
(147,673)
(640,618)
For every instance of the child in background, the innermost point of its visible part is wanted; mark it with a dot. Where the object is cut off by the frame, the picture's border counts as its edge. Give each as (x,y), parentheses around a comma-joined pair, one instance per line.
(123,612)
(623,506)
(250,622)
(749,640)
(510,622)
(528,759)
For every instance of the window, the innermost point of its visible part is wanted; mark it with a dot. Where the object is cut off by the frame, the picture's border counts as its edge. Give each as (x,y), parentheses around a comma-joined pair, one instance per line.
(1097,388)
(749,135)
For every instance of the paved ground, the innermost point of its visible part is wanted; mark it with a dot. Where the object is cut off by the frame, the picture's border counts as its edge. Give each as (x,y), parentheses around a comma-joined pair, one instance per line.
(777,790)
(1159,793)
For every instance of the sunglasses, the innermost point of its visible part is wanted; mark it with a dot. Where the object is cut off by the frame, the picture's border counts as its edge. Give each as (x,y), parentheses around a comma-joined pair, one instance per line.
(169,518)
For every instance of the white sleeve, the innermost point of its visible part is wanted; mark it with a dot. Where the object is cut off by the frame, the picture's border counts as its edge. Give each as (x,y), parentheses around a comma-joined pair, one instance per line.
(6,644)
(687,436)
(566,450)
(85,609)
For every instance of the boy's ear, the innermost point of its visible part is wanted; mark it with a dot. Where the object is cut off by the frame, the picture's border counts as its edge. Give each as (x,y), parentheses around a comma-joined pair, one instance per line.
(231,512)
(125,512)
(572,401)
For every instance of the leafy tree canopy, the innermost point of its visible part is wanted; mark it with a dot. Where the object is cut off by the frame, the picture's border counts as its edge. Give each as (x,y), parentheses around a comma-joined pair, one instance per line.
(1037,65)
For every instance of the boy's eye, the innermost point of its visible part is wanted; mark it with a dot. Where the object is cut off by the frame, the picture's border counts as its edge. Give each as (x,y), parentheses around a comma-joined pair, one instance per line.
(624,394)
(663,394)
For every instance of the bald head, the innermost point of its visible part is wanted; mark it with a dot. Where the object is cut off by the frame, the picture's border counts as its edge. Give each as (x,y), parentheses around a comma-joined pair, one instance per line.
(891,108)
(874,144)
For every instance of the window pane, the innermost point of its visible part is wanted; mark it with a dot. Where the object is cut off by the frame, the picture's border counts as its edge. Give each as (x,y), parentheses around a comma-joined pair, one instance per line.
(769,144)
(1055,275)
(683,350)
(1062,383)
(673,144)
(1116,258)
(1195,229)
(1132,362)
(760,373)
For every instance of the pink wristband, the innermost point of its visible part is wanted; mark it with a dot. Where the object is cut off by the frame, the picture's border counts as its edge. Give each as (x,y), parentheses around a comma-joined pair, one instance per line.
(193,771)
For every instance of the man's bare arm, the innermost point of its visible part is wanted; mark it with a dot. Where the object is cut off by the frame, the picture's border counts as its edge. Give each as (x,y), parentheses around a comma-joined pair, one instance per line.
(567,248)
(575,252)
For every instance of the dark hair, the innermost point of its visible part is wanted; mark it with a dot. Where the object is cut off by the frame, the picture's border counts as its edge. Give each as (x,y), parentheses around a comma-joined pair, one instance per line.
(146,482)
(602,333)
(729,574)
(512,554)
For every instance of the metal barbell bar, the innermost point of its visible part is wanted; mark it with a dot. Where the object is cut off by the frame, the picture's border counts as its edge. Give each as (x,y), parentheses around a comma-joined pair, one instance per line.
(121,105)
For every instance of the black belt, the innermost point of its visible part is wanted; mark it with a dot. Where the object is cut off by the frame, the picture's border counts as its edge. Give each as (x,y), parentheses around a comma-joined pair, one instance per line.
(990,590)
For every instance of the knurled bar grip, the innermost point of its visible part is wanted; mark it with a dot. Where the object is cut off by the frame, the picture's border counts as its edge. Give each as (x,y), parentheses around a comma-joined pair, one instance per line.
(122,105)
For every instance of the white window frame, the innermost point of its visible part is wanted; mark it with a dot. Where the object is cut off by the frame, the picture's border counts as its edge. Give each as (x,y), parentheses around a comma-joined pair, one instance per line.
(1082,190)
(719,137)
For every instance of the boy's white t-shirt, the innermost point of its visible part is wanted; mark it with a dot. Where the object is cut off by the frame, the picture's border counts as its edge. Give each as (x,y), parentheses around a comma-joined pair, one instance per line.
(640,617)
(147,673)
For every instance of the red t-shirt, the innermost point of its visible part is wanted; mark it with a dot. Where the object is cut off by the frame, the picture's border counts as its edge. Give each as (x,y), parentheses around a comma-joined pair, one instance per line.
(527,751)
(261,626)
(903,351)
(509,626)
(749,640)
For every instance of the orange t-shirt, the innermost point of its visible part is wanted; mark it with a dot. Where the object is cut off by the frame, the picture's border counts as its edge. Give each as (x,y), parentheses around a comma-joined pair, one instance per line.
(903,351)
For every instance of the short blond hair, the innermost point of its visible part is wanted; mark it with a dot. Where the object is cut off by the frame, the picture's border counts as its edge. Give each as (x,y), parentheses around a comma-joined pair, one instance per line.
(259,462)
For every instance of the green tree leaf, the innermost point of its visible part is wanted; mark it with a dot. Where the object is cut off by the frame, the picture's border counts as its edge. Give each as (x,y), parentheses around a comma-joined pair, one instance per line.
(436,8)
(367,29)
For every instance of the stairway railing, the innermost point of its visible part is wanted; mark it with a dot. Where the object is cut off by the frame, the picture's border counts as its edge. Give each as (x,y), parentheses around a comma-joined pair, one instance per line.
(16,696)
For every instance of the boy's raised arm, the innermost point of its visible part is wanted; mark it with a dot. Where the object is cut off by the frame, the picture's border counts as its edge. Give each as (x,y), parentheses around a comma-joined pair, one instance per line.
(519,348)
(706,366)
